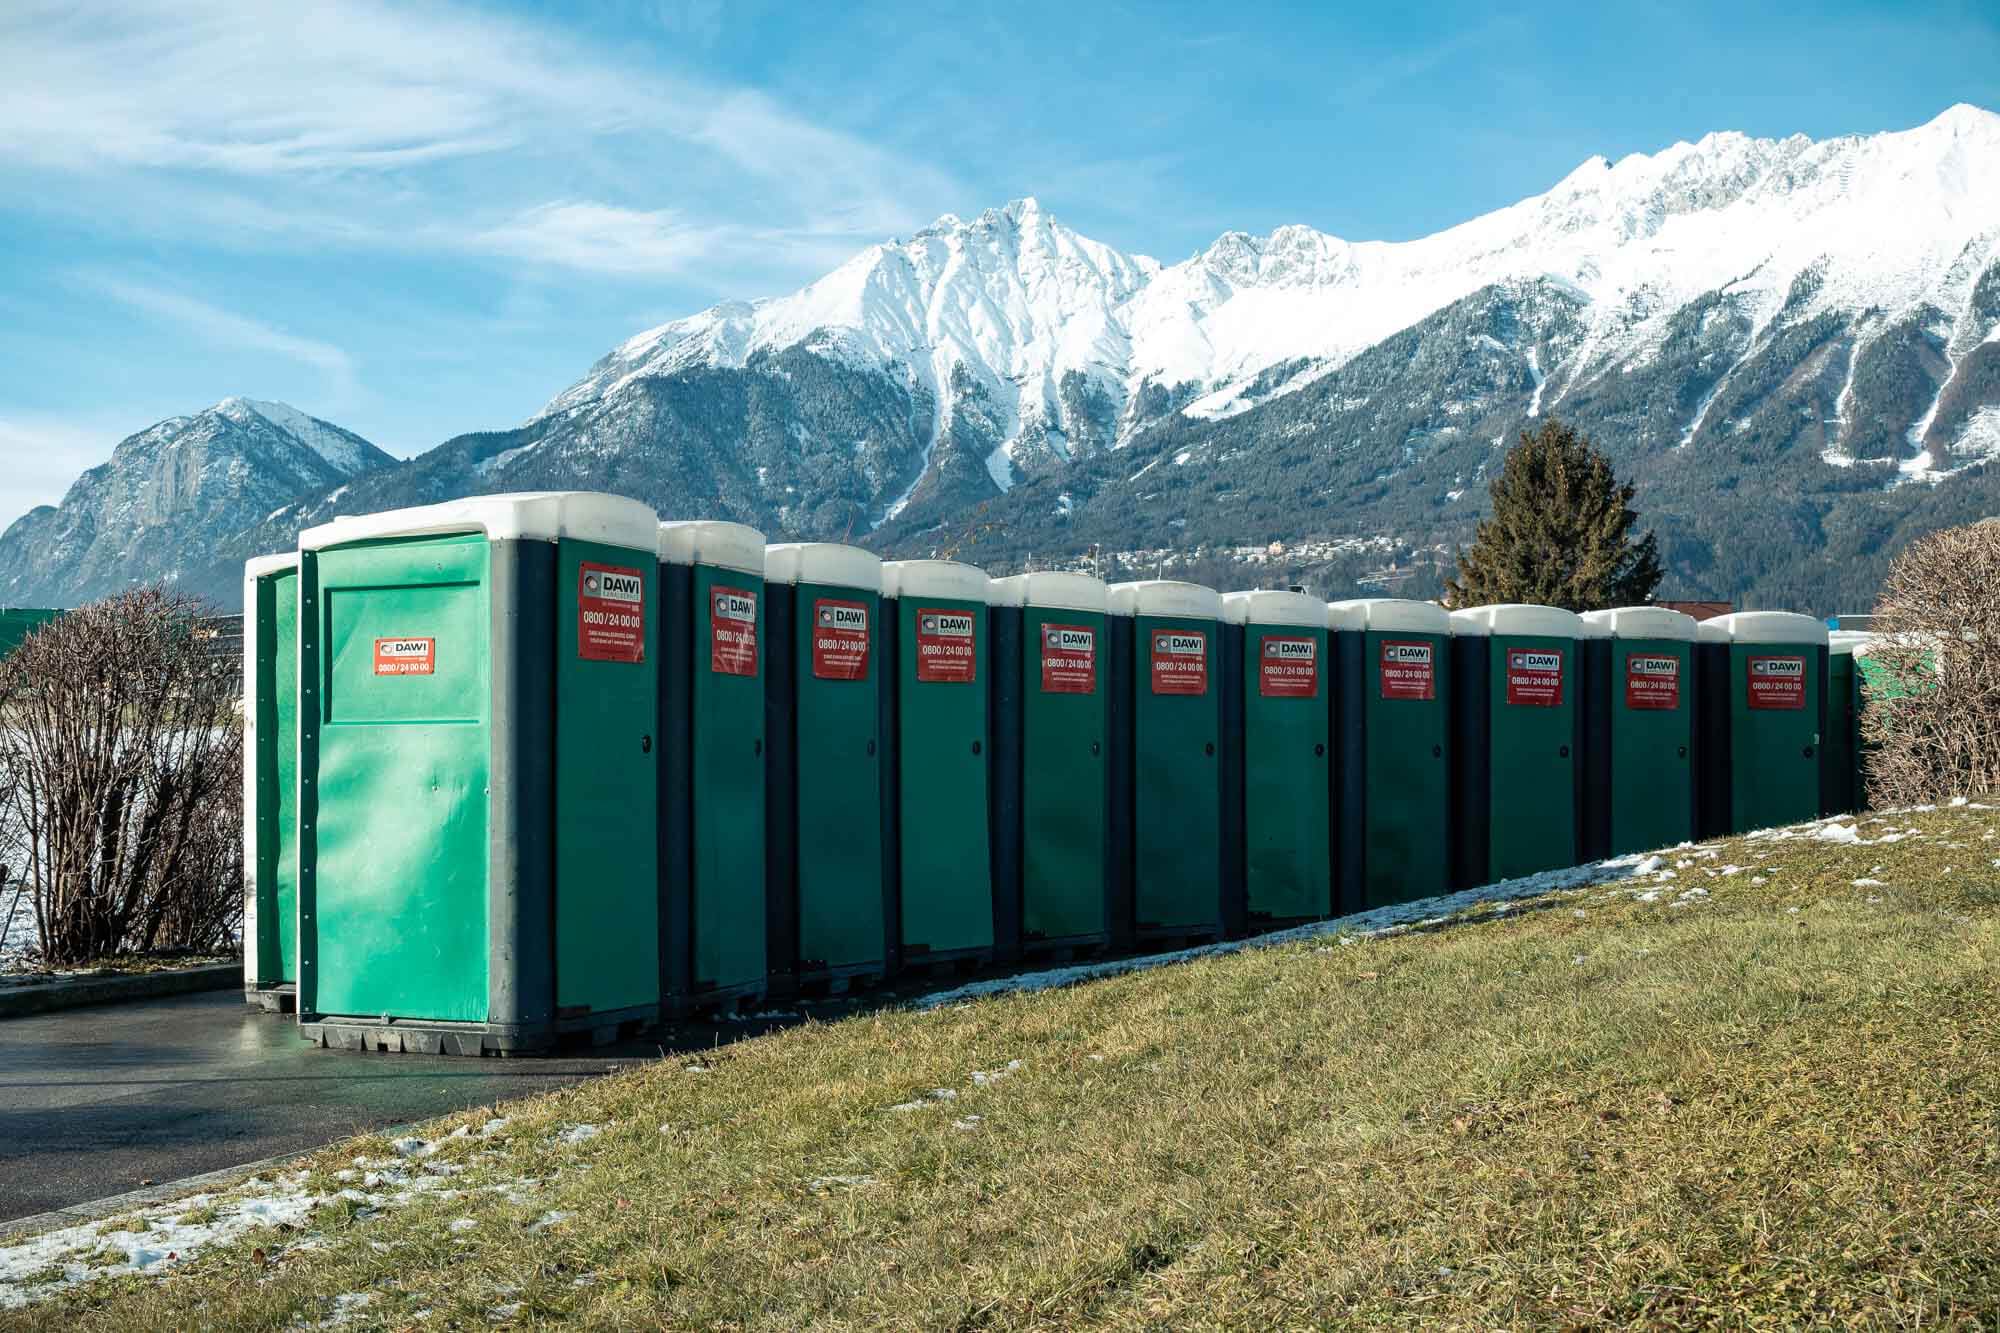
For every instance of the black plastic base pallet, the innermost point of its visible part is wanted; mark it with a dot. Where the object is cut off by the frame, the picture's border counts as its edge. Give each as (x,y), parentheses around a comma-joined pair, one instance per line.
(273,999)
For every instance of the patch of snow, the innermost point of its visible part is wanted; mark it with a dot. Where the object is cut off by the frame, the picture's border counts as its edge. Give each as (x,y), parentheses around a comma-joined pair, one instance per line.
(576,1134)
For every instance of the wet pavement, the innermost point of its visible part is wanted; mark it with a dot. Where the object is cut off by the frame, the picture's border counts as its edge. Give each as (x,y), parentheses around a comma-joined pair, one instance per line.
(100,1101)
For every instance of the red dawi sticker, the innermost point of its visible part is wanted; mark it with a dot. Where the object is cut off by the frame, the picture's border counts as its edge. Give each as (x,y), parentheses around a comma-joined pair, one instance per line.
(1778,682)
(405,657)
(1288,667)
(840,640)
(1409,669)
(1535,677)
(1180,661)
(610,614)
(947,646)
(1652,682)
(732,631)
(1069,659)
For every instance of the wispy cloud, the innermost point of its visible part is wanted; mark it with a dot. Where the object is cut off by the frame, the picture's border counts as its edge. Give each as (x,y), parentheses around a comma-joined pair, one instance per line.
(228,329)
(374,124)
(602,238)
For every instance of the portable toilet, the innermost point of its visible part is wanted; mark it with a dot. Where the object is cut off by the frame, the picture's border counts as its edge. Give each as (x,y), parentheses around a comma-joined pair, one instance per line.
(942,871)
(1166,730)
(1277,769)
(1843,790)
(1392,734)
(712,918)
(1763,690)
(1515,722)
(830,912)
(478,701)
(271,781)
(1049,769)
(1639,730)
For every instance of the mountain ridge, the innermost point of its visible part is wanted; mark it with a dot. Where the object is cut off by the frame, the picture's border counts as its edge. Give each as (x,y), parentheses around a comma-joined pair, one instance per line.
(1813,326)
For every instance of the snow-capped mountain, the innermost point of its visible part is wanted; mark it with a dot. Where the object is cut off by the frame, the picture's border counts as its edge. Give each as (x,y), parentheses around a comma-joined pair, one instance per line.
(1792,346)
(1064,343)
(171,495)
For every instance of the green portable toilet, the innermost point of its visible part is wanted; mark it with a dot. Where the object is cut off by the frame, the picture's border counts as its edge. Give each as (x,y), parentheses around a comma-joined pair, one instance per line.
(1278,769)
(712,927)
(1050,793)
(828,779)
(1392,737)
(1843,791)
(1639,730)
(936,614)
(1166,733)
(270,781)
(478,775)
(1763,691)
(1515,724)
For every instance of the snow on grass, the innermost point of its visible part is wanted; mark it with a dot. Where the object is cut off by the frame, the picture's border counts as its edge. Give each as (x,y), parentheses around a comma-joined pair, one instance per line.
(150,1242)
(1376,921)
(577,1134)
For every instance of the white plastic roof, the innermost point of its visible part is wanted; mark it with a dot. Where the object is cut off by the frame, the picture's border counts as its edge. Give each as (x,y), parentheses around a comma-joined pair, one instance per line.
(1644,622)
(1270,606)
(263,566)
(1388,613)
(1856,641)
(935,578)
(1765,627)
(823,562)
(736,546)
(1163,597)
(591,516)
(1516,618)
(1067,592)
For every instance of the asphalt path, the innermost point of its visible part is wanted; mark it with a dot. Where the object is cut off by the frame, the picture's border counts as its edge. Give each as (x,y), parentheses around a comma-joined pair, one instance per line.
(101,1101)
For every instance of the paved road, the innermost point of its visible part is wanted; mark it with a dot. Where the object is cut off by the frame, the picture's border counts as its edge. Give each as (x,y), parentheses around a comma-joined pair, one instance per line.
(95,1102)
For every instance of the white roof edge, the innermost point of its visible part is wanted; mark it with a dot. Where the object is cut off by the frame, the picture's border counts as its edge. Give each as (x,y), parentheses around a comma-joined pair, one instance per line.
(1272,606)
(935,578)
(1391,614)
(1774,627)
(1052,589)
(1645,622)
(1843,641)
(1163,597)
(1518,618)
(716,542)
(591,516)
(263,566)
(829,563)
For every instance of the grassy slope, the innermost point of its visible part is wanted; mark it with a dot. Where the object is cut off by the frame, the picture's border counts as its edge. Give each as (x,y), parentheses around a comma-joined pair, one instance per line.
(1780,1102)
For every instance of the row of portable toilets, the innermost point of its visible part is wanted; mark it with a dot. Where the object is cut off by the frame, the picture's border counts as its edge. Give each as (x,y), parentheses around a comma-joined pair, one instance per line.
(526,766)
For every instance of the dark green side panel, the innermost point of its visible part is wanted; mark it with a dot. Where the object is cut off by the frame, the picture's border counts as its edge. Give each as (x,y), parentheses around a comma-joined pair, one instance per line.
(1408,765)
(839,799)
(1534,771)
(728,730)
(399,895)
(947,877)
(1062,782)
(607,799)
(1652,769)
(1177,798)
(1287,785)
(1840,745)
(277,690)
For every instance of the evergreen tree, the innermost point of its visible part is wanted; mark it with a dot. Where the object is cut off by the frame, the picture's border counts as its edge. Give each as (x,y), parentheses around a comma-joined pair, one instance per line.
(1561,532)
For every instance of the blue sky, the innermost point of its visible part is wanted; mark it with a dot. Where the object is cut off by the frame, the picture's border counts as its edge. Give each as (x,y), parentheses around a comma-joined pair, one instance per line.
(416,220)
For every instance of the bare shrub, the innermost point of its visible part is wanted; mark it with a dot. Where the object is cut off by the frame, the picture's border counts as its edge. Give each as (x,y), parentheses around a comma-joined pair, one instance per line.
(1932,716)
(125,752)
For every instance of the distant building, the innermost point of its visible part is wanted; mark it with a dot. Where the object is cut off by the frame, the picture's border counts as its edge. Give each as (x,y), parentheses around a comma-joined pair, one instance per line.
(1700,610)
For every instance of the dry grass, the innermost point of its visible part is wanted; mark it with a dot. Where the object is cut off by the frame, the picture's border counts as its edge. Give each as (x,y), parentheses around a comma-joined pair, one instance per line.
(1775,1103)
